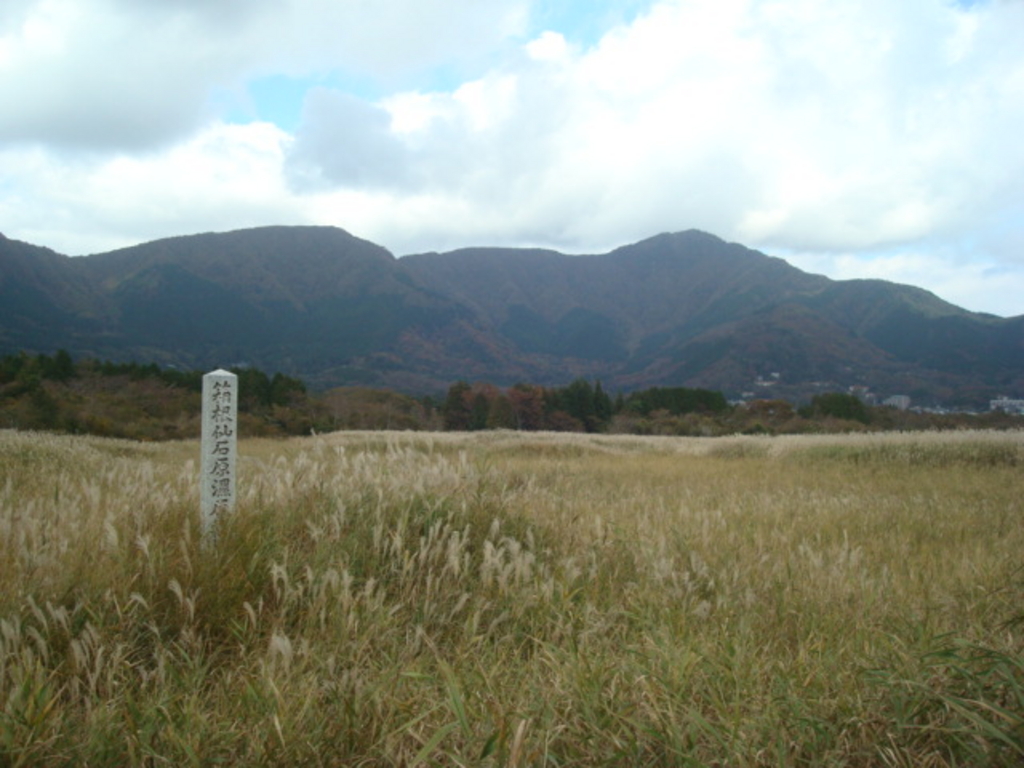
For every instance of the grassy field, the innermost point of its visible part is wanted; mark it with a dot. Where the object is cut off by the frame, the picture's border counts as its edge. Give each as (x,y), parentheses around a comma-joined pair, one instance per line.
(505,599)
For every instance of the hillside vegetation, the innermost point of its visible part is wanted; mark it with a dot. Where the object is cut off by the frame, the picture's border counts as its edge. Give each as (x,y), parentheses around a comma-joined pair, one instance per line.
(677,309)
(515,599)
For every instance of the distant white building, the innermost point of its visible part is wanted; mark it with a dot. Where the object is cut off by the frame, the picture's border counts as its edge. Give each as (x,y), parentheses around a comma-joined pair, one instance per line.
(1007,404)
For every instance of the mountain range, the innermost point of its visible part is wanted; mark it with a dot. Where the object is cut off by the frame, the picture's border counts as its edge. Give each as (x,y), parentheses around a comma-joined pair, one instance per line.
(682,309)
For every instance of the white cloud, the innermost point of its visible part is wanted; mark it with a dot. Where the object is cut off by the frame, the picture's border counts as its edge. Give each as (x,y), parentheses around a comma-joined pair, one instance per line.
(345,141)
(226,177)
(550,46)
(115,74)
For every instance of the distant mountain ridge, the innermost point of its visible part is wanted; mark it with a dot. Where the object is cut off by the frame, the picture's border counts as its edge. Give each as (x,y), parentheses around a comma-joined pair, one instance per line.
(682,309)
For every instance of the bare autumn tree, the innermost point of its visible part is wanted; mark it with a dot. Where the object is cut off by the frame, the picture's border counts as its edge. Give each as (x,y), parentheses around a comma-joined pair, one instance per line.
(527,403)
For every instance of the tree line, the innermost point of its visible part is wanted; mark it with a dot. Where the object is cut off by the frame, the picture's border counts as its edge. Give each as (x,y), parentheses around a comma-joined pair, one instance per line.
(131,399)
(581,406)
(145,401)
(254,385)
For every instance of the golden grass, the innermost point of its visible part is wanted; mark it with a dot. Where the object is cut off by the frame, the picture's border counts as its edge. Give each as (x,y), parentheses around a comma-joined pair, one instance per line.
(510,599)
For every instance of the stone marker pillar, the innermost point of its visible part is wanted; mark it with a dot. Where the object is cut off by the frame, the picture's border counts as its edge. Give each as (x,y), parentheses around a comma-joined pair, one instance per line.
(219,448)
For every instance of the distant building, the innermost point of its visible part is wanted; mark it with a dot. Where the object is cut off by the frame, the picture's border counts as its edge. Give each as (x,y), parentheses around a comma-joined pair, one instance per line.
(1006,404)
(900,402)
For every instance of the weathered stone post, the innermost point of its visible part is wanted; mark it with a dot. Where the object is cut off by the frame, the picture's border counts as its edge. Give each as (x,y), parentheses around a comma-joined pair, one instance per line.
(219,448)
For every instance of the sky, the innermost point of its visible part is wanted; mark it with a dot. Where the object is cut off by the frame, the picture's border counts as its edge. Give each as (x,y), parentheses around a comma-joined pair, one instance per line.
(853,138)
